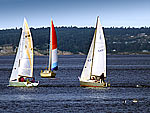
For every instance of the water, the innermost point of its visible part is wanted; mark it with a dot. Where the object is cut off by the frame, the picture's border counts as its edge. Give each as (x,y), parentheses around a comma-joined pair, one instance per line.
(129,76)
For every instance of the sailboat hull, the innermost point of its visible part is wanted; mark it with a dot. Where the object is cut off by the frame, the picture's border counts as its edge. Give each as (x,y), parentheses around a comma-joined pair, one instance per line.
(23,84)
(92,84)
(47,74)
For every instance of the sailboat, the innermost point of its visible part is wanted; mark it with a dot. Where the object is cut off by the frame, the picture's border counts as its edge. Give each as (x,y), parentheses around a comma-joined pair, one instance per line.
(53,58)
(23,65)
(94,70)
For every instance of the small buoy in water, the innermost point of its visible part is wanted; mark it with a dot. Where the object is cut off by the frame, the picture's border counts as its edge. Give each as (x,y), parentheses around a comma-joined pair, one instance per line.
(124,101)
(138,86)
(108,85)
(135,100)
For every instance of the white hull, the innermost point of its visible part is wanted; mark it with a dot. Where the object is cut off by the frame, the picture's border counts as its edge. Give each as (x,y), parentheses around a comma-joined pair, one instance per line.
(23,84)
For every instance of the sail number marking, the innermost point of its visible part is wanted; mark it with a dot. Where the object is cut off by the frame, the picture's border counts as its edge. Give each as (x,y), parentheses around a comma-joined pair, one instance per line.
(89,60)
(100,50)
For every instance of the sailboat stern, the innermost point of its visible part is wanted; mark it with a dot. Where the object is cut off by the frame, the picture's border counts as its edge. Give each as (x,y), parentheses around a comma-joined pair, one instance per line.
(47,74)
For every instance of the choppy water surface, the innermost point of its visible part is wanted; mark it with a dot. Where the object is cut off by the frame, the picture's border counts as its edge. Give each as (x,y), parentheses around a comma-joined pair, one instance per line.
(129,76)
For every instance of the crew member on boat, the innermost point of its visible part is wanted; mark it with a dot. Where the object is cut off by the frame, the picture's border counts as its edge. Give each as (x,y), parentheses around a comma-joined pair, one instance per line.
(99,79)
(33,80)
(92,77)
(95,78)
(21,79)
(28,82)
(102,78)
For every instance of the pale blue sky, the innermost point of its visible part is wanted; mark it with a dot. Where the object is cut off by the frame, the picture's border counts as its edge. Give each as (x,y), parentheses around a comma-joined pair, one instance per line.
(134,13)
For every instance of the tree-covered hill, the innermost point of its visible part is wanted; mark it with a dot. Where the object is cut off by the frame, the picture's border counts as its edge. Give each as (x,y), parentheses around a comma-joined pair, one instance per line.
(76,40)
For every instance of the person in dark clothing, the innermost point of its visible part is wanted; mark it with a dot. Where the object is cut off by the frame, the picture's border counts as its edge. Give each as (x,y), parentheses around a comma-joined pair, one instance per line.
(20,79)
(92,77)
(33,80)
(102,78)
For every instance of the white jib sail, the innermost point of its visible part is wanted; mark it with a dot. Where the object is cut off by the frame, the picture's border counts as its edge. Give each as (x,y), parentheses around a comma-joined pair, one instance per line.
(14,74)
(23,65)
(87,67)
(99,59)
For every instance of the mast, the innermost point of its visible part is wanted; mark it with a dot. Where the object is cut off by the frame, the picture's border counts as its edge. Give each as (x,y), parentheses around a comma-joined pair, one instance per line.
(50,48)
(94,46)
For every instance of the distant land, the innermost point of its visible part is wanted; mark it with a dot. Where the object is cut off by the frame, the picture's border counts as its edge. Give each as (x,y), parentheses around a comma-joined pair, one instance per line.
(74,40)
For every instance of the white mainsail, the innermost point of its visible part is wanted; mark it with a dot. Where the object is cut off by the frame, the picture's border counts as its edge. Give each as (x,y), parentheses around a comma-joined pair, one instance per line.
(98,65)
(23,65)
(99,58)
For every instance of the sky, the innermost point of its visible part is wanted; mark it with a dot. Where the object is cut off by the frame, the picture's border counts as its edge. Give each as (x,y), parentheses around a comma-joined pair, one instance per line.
(80,13)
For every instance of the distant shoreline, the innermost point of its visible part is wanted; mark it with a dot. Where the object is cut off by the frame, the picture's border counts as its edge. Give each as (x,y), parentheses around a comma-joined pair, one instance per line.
(74,40)
(69,53)
(6,50)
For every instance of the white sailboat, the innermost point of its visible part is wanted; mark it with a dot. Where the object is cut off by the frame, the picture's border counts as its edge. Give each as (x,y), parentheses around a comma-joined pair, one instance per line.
(94,70)
(23,65)
(53,58)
